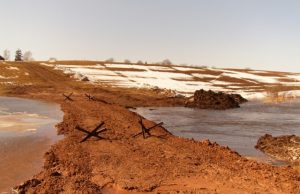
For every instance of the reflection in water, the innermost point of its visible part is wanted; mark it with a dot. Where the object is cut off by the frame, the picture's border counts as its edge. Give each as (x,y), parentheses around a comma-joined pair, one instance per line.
(26,133)
(21,122)
(237,128)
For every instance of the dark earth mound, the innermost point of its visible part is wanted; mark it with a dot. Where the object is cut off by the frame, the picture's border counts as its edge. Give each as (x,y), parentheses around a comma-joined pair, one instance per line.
(215,100)
(238,98)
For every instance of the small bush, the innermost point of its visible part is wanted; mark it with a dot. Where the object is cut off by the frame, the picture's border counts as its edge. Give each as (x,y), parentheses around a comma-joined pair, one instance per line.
(140,62)
(110,60)
(127,61)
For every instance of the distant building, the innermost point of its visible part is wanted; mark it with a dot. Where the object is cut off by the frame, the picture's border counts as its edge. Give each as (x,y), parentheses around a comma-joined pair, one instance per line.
(1,58)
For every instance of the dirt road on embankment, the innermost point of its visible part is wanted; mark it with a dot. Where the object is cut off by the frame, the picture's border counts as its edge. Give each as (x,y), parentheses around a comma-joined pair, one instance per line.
(121,163)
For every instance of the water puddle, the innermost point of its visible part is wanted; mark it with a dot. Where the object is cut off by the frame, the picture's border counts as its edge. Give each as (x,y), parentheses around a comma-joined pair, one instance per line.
(237,128)
(27,130)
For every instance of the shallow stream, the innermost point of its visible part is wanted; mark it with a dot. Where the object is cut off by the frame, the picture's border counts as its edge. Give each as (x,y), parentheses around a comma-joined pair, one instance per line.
(27,130)
(237,128)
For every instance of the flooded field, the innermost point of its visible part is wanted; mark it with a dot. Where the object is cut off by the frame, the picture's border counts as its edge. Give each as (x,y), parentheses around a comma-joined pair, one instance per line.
(237,128)
(27,130)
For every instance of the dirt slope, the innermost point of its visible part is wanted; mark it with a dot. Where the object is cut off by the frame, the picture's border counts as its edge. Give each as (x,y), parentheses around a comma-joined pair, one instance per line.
(42,82)
(185,79)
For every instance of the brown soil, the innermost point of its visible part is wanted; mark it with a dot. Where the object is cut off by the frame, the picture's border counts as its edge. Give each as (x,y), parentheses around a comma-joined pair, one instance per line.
(120,163)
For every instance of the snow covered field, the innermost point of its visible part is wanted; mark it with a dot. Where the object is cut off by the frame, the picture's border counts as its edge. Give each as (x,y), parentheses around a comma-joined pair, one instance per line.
(184,80)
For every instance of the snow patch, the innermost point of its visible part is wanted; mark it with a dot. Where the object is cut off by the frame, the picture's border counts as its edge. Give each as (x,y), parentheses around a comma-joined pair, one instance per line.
(126,66)
(12,68)
(242,75)
(48,65)
(187,69)
(204,75)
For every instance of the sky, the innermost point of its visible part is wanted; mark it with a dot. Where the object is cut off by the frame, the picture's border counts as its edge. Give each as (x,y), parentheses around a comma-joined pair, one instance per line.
(256,34)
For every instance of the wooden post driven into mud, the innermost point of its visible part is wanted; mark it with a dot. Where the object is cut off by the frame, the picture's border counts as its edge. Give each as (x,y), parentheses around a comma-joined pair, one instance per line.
(94,133)
(68,97)
(145,129)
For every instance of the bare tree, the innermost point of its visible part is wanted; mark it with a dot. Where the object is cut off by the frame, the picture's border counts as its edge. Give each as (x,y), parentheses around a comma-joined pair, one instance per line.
(6,55)
(28,56)
(19,55)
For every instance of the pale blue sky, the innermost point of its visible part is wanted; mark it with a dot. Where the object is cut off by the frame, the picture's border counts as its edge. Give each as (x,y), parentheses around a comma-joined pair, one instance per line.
(259,34)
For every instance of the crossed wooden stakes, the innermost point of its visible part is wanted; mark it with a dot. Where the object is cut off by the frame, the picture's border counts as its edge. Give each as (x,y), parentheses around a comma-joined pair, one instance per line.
(145,129)
(68,97)
(94,133)
(90,97)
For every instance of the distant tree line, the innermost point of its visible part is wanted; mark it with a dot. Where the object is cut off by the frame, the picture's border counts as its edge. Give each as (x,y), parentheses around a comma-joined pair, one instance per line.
(19,56)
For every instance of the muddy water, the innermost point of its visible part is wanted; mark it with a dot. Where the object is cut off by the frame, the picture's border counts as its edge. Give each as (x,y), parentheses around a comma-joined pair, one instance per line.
(237,128)
(27,130)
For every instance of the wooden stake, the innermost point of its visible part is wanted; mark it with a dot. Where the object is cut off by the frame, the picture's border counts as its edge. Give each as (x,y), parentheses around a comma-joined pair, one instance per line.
(94,133)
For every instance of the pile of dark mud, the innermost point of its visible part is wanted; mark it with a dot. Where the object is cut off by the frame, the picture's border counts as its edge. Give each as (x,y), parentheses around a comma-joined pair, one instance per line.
(286,148)
(215,100)
(238,98)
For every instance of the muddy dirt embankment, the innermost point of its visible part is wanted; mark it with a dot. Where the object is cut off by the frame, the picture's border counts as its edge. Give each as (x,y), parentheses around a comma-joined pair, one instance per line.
(286,147)
(160,163)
